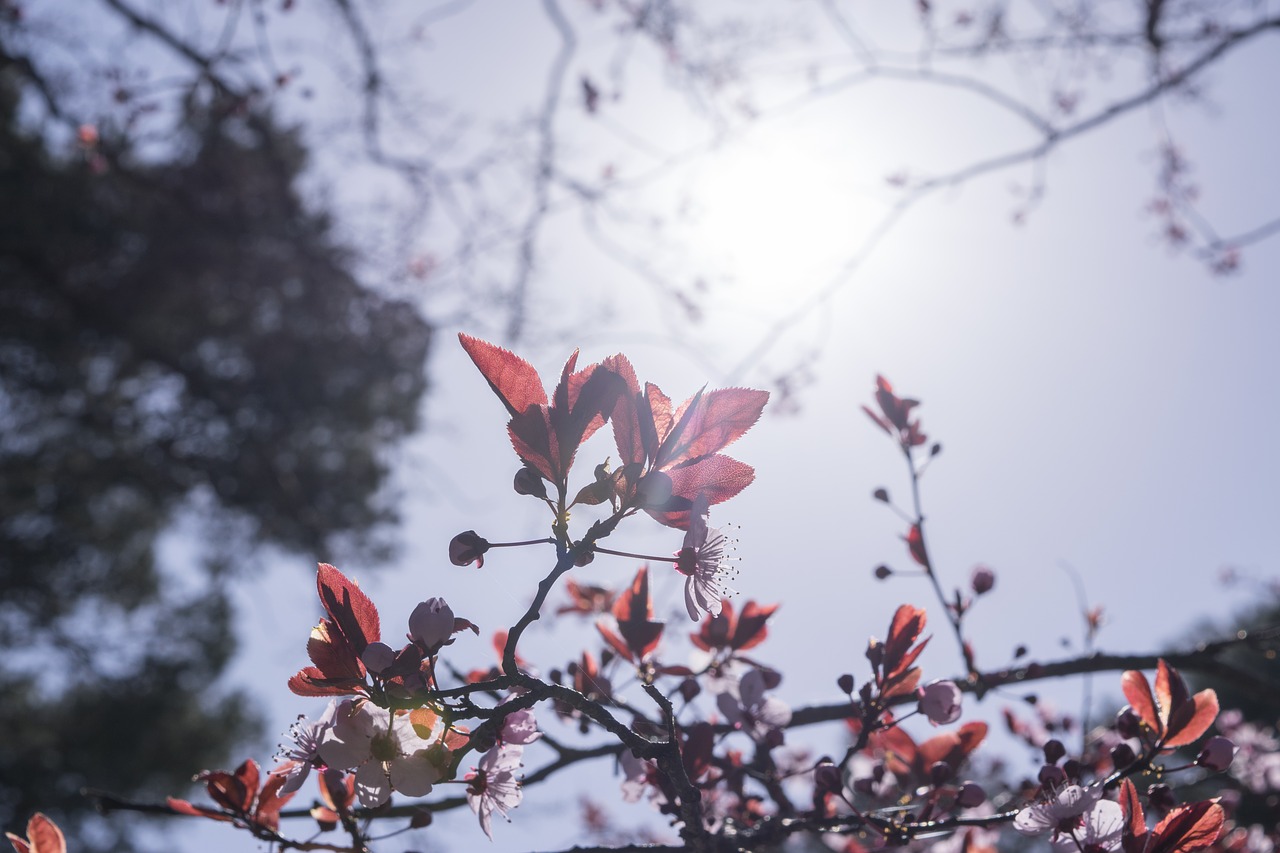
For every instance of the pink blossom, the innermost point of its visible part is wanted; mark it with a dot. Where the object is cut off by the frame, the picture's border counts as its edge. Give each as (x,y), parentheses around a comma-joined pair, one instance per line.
(751,711)
(493,785)
(305,752)
(520,727)
(703,562)
(940,702)
(1099,829)
(636,772)
(1060,810)
(383,749)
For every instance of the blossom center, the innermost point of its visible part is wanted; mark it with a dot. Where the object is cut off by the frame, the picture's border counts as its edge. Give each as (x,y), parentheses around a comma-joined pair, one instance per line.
(383,747)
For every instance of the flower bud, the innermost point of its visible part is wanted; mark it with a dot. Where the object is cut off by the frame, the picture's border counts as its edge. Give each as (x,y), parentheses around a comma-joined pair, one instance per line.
(845,683)
(377,657)
(982,580)
(431,624)
(1053,751)
(875,652)
(882,571)
(1217,754)
(529,482)
(826,777)
(970,796)
(881,494)
(467,548)
(1052,776)
(1127,723)
(939,773)
(940,702)
(1073,768)
(1161,797)
(1122,756)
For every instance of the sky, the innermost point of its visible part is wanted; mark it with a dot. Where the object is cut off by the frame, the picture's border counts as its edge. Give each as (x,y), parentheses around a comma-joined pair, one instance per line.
(1106,405)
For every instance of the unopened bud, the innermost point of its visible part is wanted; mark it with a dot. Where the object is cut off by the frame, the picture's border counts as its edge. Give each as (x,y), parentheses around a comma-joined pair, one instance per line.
(1122,756)
(529,482)
(881,494)
(875,652)
(982,580)
(1161,797)
(1073,768)
(939,773)
(1052,776)
(377,657)
(1127,723)
(845,683)
(1217,754)
(1053,751)
(467,548)
(940,702)
(826,777)
(689,689)
(970,796)
(882,571)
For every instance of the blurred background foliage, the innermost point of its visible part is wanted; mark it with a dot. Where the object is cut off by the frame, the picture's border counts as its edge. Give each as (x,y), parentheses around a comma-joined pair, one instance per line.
(179,337)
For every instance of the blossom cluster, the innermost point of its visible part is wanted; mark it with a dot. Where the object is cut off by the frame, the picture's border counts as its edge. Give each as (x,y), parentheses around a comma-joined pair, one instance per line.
(690,711)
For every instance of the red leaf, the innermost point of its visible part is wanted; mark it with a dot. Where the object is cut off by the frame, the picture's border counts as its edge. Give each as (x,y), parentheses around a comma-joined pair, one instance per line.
(658,416)
(915,544)
(618,644)
(352,610)
(709,422)
(880,422)
(716,631)
(582,402)
(270,802)
(43,836)
(184,807)
(530,433)
(718,477)
(1187,828)
(333,655)
(1165,679)
(310,681)
(227,790)
(634,614)
(751,629)
(627,434)
(1192,718)
(1135,829)
(952,747)
(512,378)
(899,750)
(906,626)
(1138,691)
(337,789)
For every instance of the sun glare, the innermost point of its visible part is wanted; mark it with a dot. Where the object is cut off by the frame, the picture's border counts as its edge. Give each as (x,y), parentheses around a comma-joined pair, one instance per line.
(774,210)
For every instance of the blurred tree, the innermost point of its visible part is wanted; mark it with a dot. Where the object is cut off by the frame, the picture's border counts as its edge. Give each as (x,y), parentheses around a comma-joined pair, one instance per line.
(179,338)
